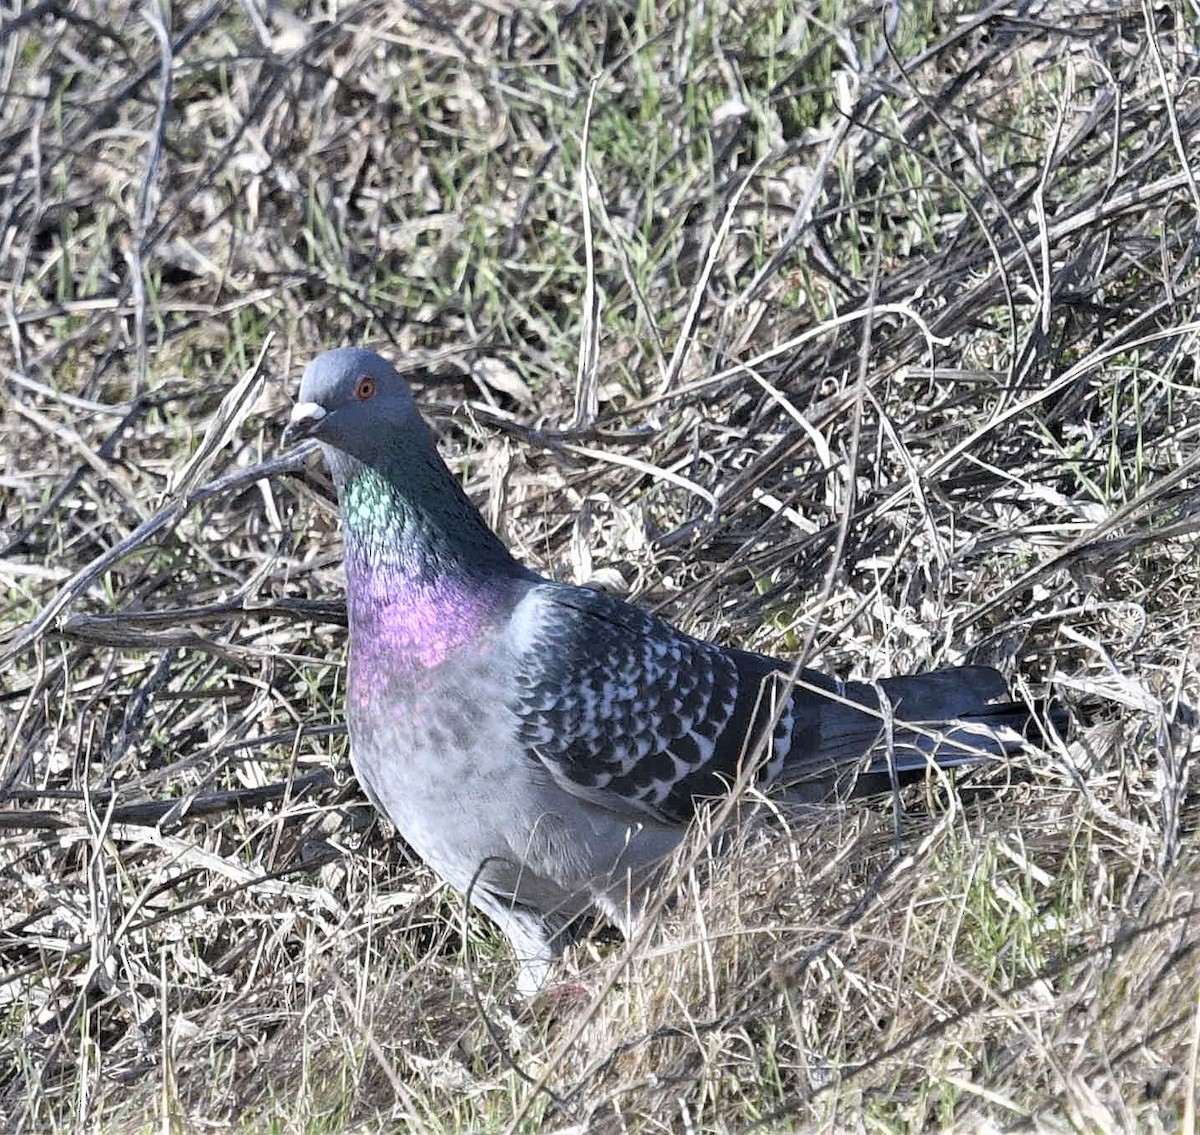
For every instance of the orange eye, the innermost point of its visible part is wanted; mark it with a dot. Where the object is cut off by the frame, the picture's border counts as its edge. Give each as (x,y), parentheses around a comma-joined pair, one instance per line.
(365,390)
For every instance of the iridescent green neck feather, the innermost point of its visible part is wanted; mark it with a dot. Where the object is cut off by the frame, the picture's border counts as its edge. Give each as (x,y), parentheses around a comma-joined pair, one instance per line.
(412,521)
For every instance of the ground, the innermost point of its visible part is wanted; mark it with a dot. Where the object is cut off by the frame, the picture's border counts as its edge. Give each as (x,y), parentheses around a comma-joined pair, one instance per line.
(862,334)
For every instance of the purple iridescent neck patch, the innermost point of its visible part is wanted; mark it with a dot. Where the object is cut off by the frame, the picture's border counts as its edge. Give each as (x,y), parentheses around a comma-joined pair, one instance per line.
(404,624)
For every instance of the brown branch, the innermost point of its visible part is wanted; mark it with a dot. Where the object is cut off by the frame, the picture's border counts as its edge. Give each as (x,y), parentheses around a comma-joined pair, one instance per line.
(151,811)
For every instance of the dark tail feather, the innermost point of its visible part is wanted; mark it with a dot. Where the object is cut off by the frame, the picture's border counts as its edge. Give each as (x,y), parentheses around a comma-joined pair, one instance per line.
(947,718)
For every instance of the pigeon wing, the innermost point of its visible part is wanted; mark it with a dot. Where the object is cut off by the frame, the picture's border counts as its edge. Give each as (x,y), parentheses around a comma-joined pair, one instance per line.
(632,714)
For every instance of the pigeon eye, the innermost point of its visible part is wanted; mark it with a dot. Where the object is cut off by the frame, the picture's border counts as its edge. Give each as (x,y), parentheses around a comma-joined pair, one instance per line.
(365,390)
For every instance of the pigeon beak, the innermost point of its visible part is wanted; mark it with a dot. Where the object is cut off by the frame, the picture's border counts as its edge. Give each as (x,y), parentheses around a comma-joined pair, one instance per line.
(304,422)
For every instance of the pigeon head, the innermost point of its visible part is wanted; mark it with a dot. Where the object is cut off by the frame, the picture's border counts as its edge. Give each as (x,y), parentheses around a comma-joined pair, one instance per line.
(406,518)
(354,402)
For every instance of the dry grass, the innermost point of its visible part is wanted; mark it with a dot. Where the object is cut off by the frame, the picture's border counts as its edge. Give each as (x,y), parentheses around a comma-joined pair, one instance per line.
(865,334)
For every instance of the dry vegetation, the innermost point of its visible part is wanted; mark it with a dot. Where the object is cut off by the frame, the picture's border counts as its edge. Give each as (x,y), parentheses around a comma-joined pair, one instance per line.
(867,333)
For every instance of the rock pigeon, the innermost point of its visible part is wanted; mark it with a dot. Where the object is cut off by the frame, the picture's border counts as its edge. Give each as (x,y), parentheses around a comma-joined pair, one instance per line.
(542,746)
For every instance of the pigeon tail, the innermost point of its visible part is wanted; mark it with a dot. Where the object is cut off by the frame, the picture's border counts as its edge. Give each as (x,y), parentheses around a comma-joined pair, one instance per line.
(875,735)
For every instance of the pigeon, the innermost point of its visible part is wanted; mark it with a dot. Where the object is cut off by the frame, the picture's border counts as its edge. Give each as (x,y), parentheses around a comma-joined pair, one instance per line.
(543,746)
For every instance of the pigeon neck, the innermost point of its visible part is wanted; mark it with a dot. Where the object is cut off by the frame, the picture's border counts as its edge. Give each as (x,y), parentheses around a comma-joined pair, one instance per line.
(411,527)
